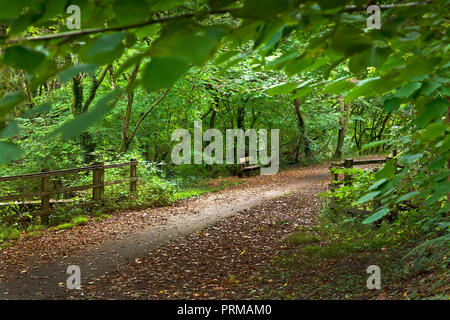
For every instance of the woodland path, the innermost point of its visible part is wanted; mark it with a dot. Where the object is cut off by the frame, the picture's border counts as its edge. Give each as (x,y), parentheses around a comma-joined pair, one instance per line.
(195,248)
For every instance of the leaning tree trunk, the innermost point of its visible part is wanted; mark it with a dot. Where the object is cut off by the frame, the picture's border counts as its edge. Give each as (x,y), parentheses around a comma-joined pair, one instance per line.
(86,140)
(303,138)
(343,124)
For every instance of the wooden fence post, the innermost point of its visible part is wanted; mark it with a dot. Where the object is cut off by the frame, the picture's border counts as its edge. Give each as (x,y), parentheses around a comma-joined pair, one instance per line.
(348,164)
(45,200)
(133,175)
(98,177)
(334,176)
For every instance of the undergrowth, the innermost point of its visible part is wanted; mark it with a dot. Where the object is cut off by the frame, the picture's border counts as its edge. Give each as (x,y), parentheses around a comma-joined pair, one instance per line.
(330,260)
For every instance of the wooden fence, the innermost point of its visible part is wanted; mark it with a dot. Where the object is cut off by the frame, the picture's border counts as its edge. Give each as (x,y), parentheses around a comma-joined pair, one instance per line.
(349,164)
(97,186)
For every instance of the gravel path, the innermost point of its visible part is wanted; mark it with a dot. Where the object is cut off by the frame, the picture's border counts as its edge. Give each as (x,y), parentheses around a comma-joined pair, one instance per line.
(157,253)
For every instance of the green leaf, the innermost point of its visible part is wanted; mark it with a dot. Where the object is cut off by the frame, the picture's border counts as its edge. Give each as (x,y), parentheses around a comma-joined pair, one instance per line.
(183,39)
(8,102)
(377,184)
(72,71)
(432,131)
(349,41)
(376,216)
(106,43)
(301,92)
(219,4)
(226,56)
(373,144)
(338,86)
(438,163)
(163,72)
(9,152)
(106,48)
(441,188)
(446,91)
(305,63)
(30,114)
(330,4)
(11,130)
(53,8)
(270,34)
(409,158)
(445,145)
(372,86)
(23,58)
(282,88)
(388,170)
(161,5)
(417,68)
(392,104)
(131,11)
(407,196)
(148,31)
(374,57)
(431,111)
(80,124)
(429,87)
(258,9)
(11,9)
(368,196)
(33,113)
(408,89)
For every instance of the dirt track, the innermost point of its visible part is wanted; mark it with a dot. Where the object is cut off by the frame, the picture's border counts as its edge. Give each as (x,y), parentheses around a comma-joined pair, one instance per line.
(135,254)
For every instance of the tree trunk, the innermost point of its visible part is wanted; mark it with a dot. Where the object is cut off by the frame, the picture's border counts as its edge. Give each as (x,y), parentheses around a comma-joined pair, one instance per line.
(240,117)
(77,96)
(343,124)
(302,129)
(126,143)
(112,79)
(29,93)
(77,109)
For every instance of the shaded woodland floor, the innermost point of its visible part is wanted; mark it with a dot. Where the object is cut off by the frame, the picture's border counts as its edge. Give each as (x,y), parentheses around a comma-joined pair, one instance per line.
(34,267)
(223,245)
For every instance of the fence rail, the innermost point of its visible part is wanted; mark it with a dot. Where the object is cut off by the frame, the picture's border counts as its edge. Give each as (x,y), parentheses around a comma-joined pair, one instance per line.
(97,186)
(350,163)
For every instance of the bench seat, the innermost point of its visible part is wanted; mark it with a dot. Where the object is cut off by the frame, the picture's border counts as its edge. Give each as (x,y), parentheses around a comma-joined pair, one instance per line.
(255,167)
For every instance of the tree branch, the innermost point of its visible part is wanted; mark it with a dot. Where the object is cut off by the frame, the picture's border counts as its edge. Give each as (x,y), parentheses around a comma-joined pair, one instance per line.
(78,33)
(136,127)
(95,85)
(386,6)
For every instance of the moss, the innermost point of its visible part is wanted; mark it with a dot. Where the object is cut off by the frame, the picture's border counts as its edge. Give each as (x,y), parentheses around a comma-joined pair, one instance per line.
(64,226)
(300,238)
(9,233)
(80,220)
(34,233)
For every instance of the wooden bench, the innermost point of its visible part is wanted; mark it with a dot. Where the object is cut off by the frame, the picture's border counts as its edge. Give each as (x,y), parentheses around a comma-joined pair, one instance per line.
(245,167)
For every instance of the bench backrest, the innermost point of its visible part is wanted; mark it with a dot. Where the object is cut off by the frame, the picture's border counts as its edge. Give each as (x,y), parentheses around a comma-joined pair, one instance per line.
(245,160)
